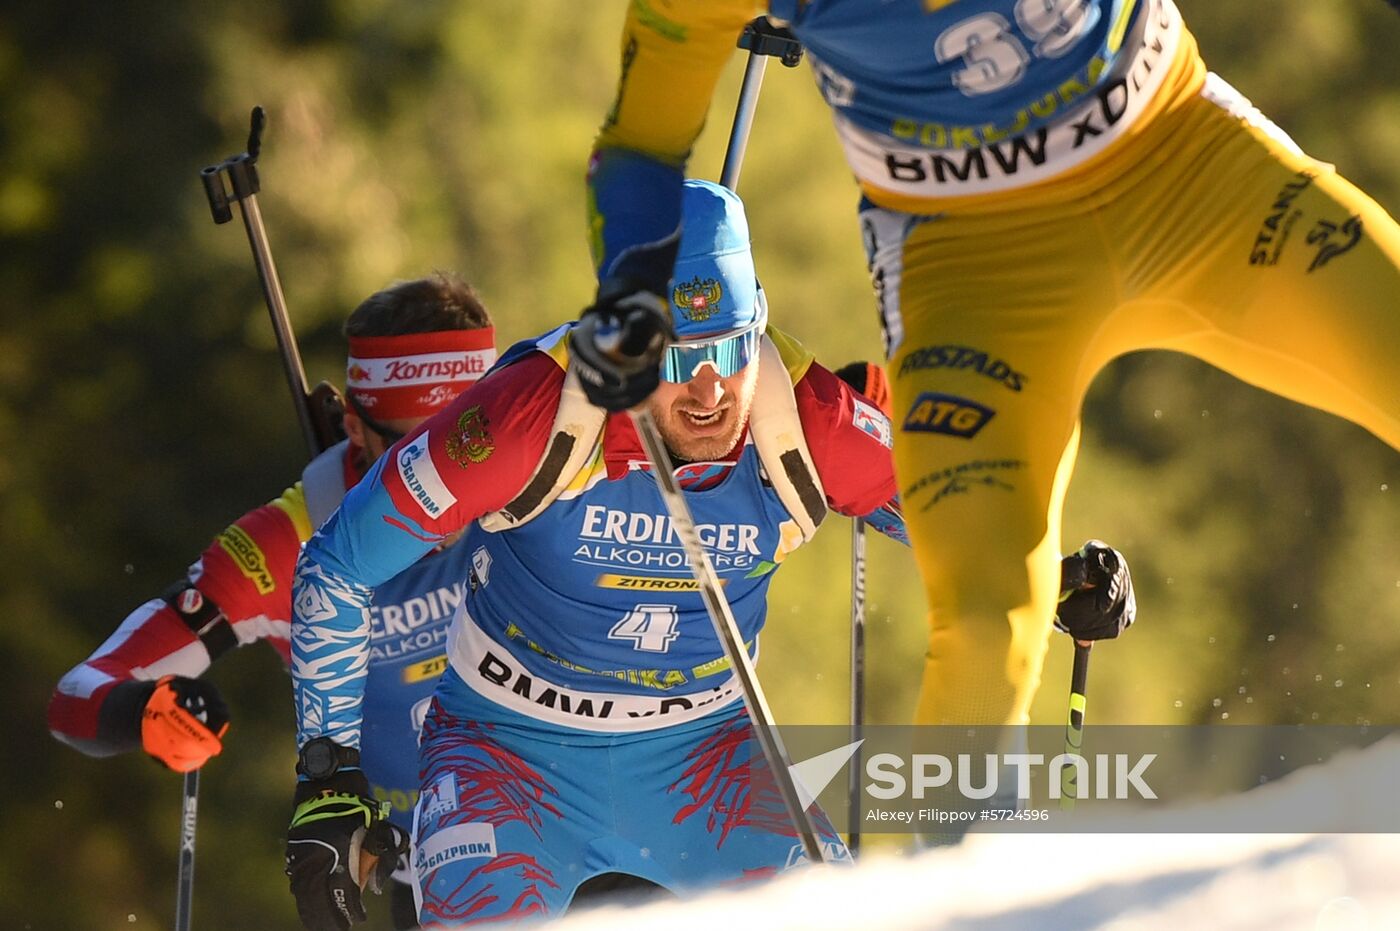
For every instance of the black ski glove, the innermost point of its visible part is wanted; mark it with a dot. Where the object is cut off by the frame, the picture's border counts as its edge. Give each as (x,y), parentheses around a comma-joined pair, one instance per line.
(617,344)
(339,843)
(1096,600)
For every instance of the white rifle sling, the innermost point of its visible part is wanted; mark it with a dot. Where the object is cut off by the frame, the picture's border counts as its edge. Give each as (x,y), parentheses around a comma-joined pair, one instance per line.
(323,483)
(572,440)
(773,423)
(777,432)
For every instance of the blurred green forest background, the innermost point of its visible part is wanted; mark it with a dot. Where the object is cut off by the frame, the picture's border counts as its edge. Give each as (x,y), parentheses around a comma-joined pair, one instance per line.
(143,404)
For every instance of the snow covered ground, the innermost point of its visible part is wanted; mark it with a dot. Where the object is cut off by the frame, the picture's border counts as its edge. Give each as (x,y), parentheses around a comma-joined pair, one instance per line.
(1119,881)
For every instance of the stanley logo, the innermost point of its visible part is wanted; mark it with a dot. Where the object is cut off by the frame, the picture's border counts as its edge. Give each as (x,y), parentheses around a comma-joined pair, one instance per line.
(250,559)
(1333,239)
(947,414)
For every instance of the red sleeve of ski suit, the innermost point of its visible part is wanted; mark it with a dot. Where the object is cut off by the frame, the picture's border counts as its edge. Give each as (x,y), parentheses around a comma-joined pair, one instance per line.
(480,450)
(850,439)
(246,571)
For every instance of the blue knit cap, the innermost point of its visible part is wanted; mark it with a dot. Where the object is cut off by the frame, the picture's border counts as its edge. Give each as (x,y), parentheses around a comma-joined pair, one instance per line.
(714,289)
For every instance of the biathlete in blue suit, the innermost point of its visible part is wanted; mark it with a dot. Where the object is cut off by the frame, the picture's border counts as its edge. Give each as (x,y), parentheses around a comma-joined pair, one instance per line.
(588,722)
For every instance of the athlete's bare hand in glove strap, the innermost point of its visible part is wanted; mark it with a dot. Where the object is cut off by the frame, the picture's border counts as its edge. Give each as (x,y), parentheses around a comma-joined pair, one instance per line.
(339,844)
(1097,600)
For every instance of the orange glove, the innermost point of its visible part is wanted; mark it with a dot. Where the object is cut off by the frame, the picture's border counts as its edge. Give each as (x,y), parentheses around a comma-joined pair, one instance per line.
(183,723)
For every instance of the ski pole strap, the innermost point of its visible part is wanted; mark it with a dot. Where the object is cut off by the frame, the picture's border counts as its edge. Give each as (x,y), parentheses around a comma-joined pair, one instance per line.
(204,618)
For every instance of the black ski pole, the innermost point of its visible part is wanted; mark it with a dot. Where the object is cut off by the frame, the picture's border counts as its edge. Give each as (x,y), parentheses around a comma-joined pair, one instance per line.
(761,39)
(189,817)
(1074,575)
(857,677)
(242,185)
(728,631)
(1074,726)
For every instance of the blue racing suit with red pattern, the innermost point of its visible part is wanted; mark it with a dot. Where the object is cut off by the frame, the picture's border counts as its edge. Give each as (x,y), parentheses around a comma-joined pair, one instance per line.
(588,721)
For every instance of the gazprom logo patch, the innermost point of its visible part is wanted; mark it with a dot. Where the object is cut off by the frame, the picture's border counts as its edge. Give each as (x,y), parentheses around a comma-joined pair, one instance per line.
(459,842)
(947,414)
(421,478)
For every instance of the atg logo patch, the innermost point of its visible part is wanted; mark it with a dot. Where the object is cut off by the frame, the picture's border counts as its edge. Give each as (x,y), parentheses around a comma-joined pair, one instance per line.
(947,414)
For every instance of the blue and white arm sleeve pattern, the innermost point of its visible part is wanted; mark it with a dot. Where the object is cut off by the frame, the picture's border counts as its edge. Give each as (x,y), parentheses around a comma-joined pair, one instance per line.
(364,543)
(330,652)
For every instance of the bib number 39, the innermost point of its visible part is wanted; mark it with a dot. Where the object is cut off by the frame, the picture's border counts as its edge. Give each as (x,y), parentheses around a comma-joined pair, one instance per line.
(995,57)
(650,628)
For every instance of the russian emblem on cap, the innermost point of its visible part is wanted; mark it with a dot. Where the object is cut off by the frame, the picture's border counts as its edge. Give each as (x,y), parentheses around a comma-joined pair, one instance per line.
(698,300)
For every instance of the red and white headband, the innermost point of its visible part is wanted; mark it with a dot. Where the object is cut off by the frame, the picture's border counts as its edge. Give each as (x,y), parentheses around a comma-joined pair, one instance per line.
(416,374)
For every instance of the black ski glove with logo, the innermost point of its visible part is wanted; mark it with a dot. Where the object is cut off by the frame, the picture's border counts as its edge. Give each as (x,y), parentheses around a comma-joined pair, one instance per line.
(338,844)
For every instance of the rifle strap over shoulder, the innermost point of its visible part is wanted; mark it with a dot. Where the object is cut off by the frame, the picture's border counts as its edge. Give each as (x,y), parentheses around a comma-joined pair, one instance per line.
(323,483)
(773,423)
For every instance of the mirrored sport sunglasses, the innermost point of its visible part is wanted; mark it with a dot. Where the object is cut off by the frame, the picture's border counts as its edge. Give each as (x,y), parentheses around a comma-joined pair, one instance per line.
(728,354)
